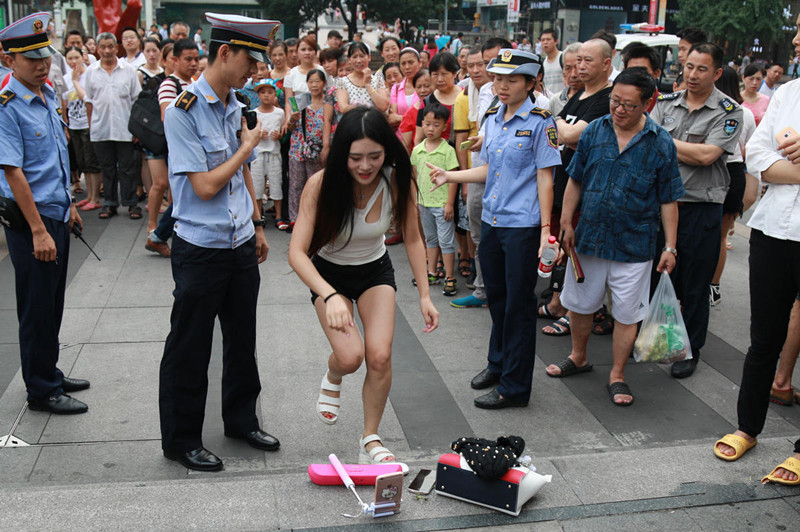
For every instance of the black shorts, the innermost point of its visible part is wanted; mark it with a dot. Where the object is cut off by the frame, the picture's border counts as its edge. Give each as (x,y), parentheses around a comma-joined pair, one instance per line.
(352,281)
(733,200)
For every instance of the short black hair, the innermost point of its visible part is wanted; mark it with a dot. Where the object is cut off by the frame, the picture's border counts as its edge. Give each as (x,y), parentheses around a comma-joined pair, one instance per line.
(495,42)
(606,36)
(387,39)
(76,32)
(183,44)
(438,110)
(330,54)
(642,51)
(639,78)
(334,33)
(152,40)
(711,49)
(693,35)
(213,49)
(292,41)
(444,60)
(421,72)
(551,31)
(777,65)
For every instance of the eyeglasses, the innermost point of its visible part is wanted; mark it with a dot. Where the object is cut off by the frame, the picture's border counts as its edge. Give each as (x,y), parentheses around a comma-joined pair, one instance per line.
(629,107)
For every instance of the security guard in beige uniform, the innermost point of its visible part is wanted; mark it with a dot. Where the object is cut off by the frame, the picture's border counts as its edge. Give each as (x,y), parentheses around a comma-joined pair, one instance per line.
(705,125)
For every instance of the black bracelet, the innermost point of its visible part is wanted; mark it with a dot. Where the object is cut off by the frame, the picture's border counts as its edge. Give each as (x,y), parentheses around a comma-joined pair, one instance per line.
(330,296)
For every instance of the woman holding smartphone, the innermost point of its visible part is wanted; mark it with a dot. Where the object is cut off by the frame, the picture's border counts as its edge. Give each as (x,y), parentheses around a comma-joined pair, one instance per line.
(338,251)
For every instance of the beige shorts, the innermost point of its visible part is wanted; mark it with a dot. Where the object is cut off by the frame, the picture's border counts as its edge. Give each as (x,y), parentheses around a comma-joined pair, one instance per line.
(629,283)
(267,168)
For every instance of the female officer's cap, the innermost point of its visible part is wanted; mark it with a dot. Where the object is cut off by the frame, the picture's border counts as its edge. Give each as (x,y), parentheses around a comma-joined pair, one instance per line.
(252,34)
(509,61)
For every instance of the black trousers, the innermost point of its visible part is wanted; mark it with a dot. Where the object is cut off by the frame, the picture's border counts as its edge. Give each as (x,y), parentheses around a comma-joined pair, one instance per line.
(699,228)
(121,165)
(508,258)
(40,305)
(209,283)
(774,283)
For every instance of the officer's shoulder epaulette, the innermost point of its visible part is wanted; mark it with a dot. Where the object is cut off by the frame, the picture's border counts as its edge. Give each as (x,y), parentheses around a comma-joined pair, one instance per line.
(728,105)
(6,96)
(493,110)
(664,97)
(186,100)
(544,113)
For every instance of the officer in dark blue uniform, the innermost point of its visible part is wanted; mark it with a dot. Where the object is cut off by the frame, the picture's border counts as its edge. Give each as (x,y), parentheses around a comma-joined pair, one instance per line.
(219,241)
(37,210)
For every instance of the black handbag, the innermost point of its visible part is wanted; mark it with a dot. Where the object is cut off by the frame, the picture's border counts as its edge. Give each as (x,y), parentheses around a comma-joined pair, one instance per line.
(11,215)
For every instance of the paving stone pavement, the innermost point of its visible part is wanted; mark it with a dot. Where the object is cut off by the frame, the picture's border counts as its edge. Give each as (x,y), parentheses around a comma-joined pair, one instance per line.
(646,467)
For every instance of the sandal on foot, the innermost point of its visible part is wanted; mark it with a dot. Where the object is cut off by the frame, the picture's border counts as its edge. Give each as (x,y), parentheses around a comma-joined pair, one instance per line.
(791,464)
(782,397)
(561,327)
(135,212)
(568,367)
(82,202)
(328,404)
(376,455)
(107,212)
(739,444)
(440,269)
(545,312)
(619,388)
(603,322)
(281,224)
(464,267)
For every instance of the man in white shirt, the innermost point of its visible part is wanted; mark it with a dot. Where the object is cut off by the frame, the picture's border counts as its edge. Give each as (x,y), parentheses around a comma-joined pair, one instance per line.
(198,37)
(111,88)
(553,66)
(132,44)
(774,75)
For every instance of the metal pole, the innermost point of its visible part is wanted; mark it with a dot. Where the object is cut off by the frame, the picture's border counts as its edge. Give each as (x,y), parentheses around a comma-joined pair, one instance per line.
(148,14)
(445,17)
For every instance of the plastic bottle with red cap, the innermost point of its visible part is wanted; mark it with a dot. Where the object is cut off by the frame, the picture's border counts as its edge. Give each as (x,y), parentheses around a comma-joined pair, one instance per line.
(549,253)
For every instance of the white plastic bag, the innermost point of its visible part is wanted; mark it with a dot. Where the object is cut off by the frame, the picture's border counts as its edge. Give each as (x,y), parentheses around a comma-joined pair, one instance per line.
(663,338)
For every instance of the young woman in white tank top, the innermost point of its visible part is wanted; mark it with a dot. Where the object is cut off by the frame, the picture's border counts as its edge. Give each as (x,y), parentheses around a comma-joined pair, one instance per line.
(337,250)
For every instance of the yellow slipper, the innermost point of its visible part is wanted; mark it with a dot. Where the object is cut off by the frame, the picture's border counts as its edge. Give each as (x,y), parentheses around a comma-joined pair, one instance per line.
(739,444)
(791,464)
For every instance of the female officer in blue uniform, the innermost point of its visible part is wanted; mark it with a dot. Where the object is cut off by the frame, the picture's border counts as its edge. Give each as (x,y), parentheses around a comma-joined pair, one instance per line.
(219,241)
(521,146)
(34,182)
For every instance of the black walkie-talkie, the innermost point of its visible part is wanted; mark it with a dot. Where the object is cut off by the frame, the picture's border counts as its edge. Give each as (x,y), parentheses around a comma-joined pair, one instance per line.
(250,116)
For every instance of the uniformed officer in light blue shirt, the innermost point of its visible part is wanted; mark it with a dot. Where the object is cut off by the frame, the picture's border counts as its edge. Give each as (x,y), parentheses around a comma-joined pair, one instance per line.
(34,185)
(219,242)
(521,145)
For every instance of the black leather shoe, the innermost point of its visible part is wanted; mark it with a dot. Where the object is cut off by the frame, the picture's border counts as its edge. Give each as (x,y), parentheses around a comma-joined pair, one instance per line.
(74,385)
(484,379)
(684,368)
(58,404)
(493,401)
(200,459)
(258,439)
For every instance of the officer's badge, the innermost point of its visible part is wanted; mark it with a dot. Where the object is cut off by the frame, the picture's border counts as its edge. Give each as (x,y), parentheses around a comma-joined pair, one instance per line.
(38,26)
(664,97)
(6,96)
(552,136)
(669,120)
(506,57)
(727,105)
(730,126)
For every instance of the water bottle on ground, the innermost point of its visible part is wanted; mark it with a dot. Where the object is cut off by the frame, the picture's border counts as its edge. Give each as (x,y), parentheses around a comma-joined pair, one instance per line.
(548,257)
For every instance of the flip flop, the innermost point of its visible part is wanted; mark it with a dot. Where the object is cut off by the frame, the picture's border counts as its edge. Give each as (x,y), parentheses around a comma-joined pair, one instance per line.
(739,444)
(619,388)
(82,202)
(568,368)
(782,397)
(561,326)
(790,464)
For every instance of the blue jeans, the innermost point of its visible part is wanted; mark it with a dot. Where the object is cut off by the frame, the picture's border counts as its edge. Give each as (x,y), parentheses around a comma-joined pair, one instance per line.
(166,226)
(508,257)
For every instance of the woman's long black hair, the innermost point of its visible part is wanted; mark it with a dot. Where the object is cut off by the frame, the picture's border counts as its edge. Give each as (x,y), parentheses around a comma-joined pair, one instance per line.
(336,201)
(728,83)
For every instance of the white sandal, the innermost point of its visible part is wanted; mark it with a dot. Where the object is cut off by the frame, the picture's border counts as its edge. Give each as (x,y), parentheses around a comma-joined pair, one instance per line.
(376,455)
(326,403)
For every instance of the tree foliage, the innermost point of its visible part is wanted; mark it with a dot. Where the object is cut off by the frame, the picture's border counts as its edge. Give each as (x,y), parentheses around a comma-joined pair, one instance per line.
(294,12)
(734,20)
(417,11)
